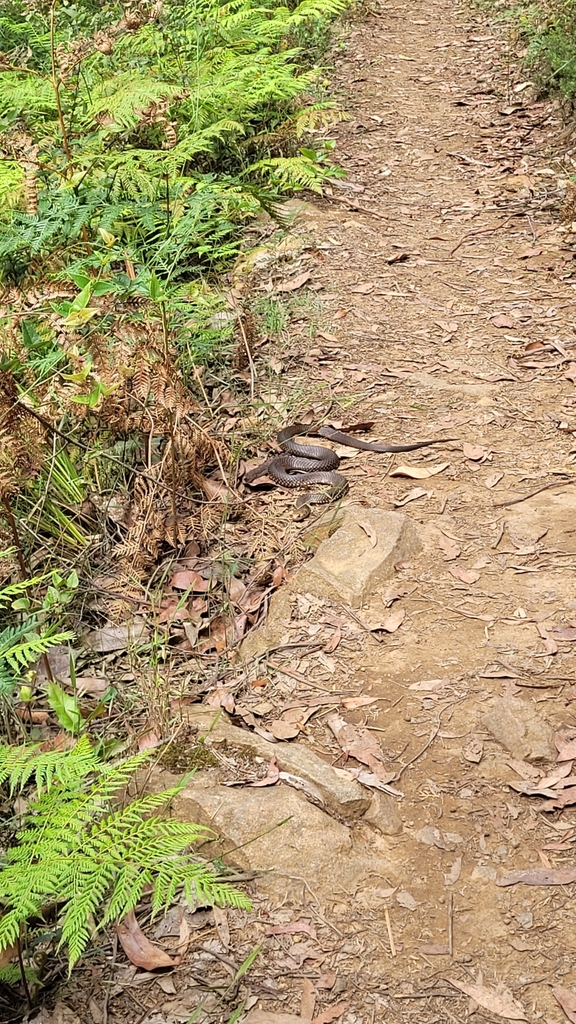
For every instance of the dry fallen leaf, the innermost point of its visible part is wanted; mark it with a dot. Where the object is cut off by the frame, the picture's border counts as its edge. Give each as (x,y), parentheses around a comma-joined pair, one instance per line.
(362,289)
(292,928)
(416,492)
(464,575)
(567,1001)
(493,479)
(501,320)
(351,703)
(307,1000)
(139,950)
(271,777)
(327,980)
(539,876)
(419,472)
(221,698)
(189,579)
(393,621)
(565,741)
(331,1013)
(293,283)
(449,547)
(474,452)
(283,730)
(497,1000)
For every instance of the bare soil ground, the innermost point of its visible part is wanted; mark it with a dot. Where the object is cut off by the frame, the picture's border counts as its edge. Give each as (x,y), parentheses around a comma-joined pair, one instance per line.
(444,284)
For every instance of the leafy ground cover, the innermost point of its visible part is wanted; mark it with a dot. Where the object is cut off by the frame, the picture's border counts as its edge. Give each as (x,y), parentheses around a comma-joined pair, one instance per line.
(138,144)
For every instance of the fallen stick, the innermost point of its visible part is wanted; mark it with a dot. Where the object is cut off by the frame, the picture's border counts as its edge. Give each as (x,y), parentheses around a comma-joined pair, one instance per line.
(390,935)
(546,487)
(481,231)
(356,206)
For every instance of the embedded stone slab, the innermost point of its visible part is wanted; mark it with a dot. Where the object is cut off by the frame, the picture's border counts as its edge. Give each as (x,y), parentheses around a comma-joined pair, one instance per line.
(359,556)
(273,830)
(343,797)
(520,729)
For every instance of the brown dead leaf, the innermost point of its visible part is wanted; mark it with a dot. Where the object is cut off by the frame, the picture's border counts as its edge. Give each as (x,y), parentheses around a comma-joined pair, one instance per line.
(564,799)
(475,452)
(95,686)
(362,289)
(563,633)
(449,547)
(497,1000)
(395,593)
(419,472)
(307,1000)
(502,320)
(351,703)
(334,640)
(327,980)
(221,698)
(149,740)
(539,876)
(464,575)
(291,284)
(139,950)
(493,479)
(567,1001)
(416,492)
(283,730)
(565,741)
(189,579)
(292,928)
(393,621)
(236,590)
(271,777)
(570,373)
(357,742)
(530,252)
(332,1013)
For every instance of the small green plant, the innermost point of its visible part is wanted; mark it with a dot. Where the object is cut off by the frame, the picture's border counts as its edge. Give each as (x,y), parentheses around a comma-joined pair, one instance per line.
(85,861)
(31,633)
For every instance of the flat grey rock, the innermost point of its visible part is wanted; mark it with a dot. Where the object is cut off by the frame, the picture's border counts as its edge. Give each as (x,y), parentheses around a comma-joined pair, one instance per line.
(520,729)
(308,844)
(346,798)
(359,556)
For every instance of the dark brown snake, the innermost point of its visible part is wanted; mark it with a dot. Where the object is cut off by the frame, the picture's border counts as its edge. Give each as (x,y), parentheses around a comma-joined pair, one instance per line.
(300,465)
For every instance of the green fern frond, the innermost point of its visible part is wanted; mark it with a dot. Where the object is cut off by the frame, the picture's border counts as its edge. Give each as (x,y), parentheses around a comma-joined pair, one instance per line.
(92,859)
(295,172)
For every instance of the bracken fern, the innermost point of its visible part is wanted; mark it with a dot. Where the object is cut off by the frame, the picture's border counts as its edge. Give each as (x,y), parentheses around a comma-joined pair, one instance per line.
(78,851)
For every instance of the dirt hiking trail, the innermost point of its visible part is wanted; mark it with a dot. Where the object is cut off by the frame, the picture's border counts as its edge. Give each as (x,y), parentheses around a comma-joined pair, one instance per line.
(445,284)
(449,309)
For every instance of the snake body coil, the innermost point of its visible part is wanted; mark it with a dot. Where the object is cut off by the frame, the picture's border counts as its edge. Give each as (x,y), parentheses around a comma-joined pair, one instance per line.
(299,465)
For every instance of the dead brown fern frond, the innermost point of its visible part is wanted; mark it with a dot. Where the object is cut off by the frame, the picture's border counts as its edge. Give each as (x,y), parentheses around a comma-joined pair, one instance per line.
(21,438)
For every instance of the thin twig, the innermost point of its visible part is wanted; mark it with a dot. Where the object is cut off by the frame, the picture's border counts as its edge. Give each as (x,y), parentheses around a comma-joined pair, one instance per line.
(356,206)
(389,929)
(481,231)
(545,487)
(24,979)
(451,923)
(109,985)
